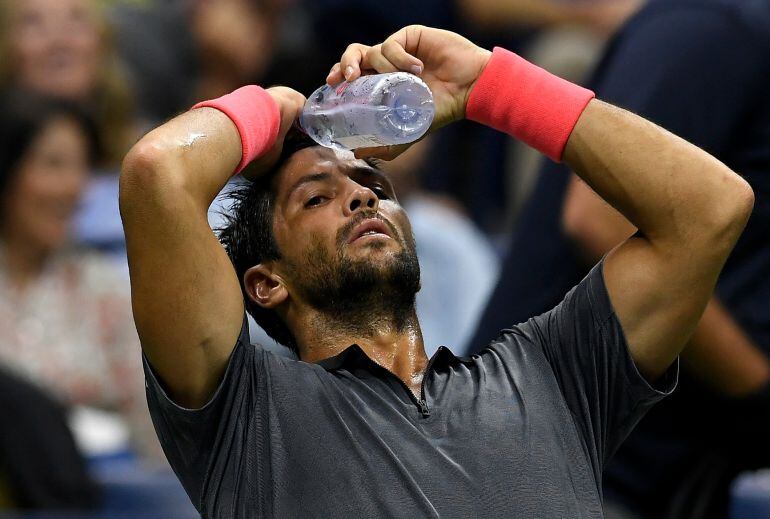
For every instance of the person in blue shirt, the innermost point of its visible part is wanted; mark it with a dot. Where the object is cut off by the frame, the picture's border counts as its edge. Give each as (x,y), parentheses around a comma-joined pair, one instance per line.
(699,69)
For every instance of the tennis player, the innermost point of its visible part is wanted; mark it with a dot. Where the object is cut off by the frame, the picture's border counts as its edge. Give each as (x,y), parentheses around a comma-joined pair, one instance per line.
(320,252)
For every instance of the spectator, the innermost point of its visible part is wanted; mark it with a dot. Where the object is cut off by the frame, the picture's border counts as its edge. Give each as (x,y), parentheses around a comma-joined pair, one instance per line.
(35,433)
(182,51)
(236,42)
(602,16)
(700,70)
(566,37)
(62,49)
(65,317)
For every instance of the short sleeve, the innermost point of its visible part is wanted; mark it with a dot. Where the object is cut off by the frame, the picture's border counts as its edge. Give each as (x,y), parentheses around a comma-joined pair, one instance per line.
(584,344)
(191,437)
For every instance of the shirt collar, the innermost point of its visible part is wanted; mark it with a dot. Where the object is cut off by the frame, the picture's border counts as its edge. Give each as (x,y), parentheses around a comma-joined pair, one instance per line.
(351,355)
(354,356)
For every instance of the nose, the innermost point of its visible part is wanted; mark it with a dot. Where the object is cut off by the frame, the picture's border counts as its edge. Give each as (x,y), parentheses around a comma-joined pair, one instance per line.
(361,199)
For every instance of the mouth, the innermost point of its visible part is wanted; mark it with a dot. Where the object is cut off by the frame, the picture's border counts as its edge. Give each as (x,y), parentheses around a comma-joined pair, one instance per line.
(371,227)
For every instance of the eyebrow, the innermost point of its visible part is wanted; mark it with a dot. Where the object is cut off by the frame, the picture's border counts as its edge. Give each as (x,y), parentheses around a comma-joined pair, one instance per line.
(371,172)
(312,177)
(320,177)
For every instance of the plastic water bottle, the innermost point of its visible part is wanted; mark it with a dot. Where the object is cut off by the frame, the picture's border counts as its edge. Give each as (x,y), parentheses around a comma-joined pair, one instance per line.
(377,110)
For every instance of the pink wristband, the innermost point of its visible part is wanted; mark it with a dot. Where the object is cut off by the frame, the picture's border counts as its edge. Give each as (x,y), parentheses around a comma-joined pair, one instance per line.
(526,102)
(255,114)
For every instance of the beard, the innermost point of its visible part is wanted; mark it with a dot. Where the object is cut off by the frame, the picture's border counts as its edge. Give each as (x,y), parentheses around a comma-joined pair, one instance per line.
(356,293)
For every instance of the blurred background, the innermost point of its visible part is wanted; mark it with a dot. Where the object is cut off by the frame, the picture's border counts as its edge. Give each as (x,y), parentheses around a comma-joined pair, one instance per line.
(502,234)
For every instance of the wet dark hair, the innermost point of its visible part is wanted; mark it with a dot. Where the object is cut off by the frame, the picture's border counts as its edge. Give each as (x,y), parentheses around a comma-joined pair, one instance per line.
(23,116)
(247,234)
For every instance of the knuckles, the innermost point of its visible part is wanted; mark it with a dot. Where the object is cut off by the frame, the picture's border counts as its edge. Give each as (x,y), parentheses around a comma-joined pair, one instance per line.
(355,48)
(390,46)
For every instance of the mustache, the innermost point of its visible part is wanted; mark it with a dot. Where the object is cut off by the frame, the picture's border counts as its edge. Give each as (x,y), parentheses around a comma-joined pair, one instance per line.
(344,233)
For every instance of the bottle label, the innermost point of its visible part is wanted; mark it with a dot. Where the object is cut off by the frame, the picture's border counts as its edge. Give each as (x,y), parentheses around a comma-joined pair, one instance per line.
(353,142)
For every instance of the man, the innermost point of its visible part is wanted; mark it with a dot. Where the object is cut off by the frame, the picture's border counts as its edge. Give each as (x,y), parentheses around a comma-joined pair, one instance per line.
(365,424)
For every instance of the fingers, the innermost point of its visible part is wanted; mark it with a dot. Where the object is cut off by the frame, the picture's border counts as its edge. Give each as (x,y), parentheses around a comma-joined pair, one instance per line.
(389,56)
(290,103)
(351,61)
(374,59)
(335,76)
(393,51)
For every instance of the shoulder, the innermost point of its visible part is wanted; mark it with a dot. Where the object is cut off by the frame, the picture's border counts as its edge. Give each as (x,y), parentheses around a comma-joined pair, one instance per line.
(586,306)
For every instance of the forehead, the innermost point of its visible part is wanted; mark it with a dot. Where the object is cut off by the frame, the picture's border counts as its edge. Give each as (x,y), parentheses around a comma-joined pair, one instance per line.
(311,159)
(315,159)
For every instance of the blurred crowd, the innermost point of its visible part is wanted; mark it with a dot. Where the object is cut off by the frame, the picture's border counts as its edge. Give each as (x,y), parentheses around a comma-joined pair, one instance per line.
(502,234)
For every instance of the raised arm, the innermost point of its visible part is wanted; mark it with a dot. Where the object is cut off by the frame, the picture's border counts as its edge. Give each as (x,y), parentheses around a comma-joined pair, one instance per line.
(719,352)
(186,297)
(709,49)
(689,209)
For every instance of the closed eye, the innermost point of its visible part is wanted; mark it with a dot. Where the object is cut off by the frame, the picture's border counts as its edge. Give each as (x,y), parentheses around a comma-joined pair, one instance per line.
(316,200)
(380,192)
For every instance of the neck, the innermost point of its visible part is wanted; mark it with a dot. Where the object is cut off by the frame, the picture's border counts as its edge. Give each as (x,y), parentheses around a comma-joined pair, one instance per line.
(22,260)
(392,339)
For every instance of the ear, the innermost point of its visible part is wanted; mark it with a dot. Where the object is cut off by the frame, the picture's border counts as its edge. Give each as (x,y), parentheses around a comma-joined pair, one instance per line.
(264,286)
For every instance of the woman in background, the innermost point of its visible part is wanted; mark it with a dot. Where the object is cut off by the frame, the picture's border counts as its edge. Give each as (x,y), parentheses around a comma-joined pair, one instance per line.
(62,49)
(65,316)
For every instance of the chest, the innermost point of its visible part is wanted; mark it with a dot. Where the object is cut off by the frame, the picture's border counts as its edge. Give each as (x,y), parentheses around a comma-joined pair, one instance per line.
(476,451)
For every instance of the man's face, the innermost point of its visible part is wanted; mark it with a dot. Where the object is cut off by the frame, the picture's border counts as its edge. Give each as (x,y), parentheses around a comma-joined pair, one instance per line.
(342,234)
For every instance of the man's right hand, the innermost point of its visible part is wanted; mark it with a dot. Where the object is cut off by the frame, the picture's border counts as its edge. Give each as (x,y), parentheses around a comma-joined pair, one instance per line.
(290,104)
(449,63)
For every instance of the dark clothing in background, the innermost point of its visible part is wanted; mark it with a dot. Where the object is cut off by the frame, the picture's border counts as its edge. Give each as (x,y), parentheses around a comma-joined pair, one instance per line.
(541,265)
(159,52)
(700,68)
(338,23)
(38,457)
(521,430)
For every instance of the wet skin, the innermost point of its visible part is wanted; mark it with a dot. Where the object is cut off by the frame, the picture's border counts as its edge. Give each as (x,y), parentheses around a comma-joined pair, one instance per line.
(322,197)
(331,200)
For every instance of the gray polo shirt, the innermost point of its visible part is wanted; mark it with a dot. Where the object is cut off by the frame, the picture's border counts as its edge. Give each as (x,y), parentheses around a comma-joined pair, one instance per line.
(522,429)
